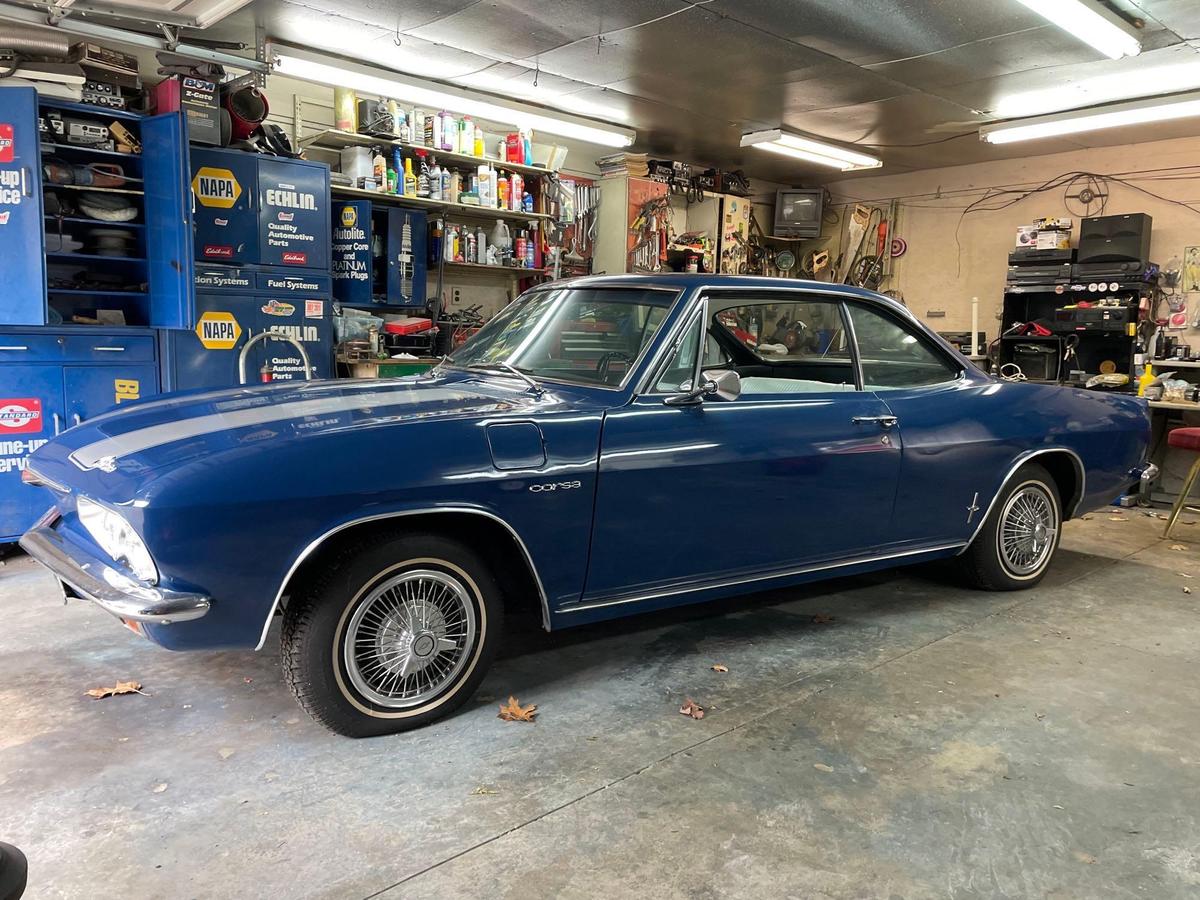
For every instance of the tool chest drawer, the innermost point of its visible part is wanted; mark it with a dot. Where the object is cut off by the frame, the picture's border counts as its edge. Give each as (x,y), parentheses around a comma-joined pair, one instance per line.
(110,348)
(28,348)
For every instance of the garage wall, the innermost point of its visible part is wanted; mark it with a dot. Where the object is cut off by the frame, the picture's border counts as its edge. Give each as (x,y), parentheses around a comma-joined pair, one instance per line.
(938,273)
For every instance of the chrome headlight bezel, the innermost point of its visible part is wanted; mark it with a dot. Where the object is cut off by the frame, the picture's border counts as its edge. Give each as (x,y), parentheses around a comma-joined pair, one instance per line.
(116,537)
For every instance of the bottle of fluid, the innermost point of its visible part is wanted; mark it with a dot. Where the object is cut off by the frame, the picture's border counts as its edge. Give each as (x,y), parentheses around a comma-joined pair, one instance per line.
(516,191)
(469,252)
(501,240)
(423,178)
(1146,380)
(435,181)
(435,241)
(531,246)
(410,180)
(391,180)
(478,147)
(379,170)
(519,249)
(451,185)
(503,188)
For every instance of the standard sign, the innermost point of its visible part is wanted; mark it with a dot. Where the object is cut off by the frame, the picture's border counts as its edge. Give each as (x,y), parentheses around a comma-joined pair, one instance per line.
(218,330)
(216,187)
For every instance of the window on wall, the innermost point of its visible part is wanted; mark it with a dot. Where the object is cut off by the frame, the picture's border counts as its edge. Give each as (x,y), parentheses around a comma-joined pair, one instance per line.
(895,356)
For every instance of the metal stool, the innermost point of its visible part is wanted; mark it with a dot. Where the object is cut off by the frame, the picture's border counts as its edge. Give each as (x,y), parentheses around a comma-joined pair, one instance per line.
(1184,439)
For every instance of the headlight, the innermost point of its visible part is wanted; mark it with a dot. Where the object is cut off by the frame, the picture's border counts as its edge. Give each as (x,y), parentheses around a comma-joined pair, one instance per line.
(117,538)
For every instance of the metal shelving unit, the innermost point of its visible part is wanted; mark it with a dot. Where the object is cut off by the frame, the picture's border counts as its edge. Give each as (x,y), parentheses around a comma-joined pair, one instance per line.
(461,209)
(332,139)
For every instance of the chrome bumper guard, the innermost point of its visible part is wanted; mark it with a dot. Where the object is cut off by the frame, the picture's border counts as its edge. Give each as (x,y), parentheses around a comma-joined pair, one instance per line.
(1146,474)
(109,589)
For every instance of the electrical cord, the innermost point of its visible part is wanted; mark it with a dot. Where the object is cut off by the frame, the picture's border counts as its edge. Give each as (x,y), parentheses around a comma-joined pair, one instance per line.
(1014,375)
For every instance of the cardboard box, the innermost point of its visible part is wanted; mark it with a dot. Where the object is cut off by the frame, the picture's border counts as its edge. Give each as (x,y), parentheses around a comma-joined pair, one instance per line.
(198,100)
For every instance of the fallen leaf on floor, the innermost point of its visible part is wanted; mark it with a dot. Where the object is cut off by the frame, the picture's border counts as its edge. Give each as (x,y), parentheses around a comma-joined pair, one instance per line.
(1085,857)
(513,711)
(1039,716)
(1178,547)
(1183,574)
(1056,806)
(121,687)
(225,752)
(1086,518)
(1186,589)
(1116,518)
(821,767)
(822,619)
(692,708)
(719,667)
(159,788)
(248,680)
(1162,516)
(482,791)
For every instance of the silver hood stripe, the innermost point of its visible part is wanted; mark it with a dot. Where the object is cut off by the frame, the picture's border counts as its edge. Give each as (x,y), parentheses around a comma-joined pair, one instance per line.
(117,446)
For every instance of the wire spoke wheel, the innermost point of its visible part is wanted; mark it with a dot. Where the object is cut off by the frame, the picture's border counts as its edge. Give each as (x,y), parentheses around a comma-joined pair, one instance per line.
(1028,530)
(410,638)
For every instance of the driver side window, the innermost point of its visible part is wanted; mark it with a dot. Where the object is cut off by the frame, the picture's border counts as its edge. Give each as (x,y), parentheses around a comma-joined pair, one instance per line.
(678,374)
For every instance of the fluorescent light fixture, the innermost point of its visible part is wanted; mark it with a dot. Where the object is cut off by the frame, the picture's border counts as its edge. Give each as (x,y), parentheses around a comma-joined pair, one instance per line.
(1092,23)
(810,150)
(1135,83)
(1136,112)
(382,83)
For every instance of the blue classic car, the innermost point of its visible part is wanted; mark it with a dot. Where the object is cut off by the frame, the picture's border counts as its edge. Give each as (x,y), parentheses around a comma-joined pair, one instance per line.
(601,448)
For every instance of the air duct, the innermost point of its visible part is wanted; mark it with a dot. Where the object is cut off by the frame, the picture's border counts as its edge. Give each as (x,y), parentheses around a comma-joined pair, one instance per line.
(35,41)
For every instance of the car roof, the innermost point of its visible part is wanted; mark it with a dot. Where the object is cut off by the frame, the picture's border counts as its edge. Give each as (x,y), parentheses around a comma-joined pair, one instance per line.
(690,281)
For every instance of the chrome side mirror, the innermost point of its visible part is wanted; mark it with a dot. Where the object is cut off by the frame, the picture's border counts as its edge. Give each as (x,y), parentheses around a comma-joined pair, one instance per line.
(720,384)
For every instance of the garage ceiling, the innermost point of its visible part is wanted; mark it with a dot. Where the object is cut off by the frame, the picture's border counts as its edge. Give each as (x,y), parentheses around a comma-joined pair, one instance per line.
(692,75)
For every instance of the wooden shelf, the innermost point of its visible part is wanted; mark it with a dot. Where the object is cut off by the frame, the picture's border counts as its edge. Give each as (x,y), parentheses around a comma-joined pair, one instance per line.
(461,209)
(514,271)
(332,139)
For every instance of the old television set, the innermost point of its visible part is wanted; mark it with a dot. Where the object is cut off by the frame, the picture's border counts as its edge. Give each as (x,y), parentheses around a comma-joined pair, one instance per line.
(798,212)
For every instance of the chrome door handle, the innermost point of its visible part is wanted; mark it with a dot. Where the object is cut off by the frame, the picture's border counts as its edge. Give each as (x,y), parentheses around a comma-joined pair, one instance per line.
(15,347)
(109,349)
(881,421)
(77,417)
(57,430)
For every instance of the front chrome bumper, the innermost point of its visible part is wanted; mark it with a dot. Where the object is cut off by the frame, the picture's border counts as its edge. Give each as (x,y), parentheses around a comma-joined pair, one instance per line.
(95,580)
(1147,474)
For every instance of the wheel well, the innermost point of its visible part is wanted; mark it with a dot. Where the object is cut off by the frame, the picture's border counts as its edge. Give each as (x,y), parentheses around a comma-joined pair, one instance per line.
(1064,469)
(489,538)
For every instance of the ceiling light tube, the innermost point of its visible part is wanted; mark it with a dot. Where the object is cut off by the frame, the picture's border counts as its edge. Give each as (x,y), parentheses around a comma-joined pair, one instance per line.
(811,150)
(1092,23)
(383,83)
(1137,112)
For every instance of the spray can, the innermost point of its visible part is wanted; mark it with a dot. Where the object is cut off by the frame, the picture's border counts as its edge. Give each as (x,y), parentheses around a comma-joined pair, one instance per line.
(531,246)
(480,246)
(519,249)
(471,252)
(432,135)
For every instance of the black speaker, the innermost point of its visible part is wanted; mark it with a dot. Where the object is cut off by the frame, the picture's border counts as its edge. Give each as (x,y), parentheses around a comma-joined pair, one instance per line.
(1114,239)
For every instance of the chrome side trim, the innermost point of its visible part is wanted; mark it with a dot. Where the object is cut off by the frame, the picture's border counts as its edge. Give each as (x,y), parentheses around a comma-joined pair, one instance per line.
(37,478)
(314,545)
(768,576)
(1025,457)
(109,589)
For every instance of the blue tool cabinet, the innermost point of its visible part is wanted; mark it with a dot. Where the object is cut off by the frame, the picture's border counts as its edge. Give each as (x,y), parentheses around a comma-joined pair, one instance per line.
(55,372)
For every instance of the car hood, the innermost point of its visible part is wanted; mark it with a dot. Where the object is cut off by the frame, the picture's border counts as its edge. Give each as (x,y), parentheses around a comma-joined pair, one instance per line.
(178,429)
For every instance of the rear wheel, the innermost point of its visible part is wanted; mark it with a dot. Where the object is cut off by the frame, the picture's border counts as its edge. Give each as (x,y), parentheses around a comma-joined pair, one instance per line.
(392,636)
(1018,539)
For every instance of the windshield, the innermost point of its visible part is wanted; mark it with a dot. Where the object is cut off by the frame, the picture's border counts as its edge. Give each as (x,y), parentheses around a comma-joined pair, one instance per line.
(584,335)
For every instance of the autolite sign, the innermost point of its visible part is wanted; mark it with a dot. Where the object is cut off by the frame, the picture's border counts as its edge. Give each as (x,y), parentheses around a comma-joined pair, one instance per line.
(20,415)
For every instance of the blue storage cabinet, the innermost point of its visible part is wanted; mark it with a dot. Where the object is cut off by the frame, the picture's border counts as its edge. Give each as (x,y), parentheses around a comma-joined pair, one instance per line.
(52,379)
(252,300)
(53,373)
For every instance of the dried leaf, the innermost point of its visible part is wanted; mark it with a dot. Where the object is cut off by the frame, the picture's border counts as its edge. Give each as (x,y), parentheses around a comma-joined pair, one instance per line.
(159,788)
(1085,857)
(1116,518)
(720,667)
(1186,589)
(483,790)
(225,752)
(1183,575)
(821,767)
(1178,547)
(513,711)
(822,619)
(692,708)
(1086,518)
(121,687)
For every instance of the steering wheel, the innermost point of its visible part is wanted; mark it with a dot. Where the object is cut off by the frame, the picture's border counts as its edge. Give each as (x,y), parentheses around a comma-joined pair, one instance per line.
(602,365)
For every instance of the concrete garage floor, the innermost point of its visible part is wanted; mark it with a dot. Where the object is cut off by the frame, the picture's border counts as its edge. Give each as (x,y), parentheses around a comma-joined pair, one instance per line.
(926,742)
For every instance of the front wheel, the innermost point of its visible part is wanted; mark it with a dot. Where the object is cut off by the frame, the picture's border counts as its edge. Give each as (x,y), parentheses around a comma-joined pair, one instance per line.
(1018,539)
(394,634)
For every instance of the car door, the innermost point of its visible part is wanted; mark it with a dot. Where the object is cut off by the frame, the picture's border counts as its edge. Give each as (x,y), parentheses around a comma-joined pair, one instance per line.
(800,469)
(951,433)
